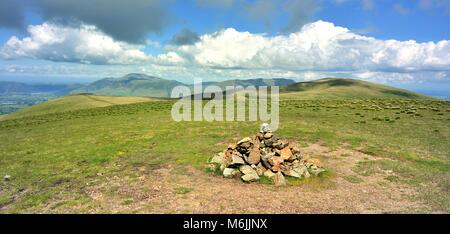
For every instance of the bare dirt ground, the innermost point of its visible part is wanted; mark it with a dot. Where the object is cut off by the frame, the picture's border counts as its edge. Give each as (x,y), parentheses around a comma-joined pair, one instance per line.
(156,191)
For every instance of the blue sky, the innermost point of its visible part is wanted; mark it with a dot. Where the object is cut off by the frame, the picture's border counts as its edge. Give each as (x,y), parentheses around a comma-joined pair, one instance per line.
(403,42)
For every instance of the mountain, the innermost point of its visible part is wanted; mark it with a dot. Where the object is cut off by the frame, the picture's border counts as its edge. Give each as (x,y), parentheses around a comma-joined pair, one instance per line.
(8,87)
(133,84)
(345,88)
(252,82)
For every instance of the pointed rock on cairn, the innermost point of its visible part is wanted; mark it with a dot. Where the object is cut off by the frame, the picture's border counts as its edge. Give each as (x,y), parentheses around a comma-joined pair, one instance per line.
(264,155)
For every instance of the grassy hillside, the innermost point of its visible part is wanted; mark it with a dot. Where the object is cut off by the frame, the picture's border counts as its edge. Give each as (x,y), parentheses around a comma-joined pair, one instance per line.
(252,82)
(131,85)
(74,102)
(383,155)
(345,88)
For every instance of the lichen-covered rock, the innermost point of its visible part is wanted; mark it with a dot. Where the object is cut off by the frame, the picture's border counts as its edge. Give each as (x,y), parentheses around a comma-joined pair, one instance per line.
(249,174)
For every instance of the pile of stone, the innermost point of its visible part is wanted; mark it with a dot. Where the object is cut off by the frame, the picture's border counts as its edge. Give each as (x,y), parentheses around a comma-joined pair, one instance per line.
(264,155)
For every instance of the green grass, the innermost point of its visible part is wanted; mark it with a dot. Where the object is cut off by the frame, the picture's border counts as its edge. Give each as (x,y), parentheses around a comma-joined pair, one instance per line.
(183,190)
(353,179)
(52,155)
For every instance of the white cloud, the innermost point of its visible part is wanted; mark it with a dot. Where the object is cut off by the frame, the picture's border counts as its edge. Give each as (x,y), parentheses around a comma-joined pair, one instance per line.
(319,46)
(319,49)
(83,44)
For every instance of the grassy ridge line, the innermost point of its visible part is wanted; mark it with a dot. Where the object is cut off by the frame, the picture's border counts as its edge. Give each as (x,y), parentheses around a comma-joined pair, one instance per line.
(345,88)
(74,102)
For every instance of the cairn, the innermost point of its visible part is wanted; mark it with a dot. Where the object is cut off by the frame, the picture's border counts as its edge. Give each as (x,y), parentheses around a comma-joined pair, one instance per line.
(264,155)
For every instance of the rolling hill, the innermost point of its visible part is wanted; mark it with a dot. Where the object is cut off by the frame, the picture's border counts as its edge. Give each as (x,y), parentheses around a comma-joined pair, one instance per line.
(345,88)
(254,82)
(133,84)
(74,102)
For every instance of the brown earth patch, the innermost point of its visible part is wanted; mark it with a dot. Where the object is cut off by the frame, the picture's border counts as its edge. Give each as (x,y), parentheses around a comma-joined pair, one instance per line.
(158,191)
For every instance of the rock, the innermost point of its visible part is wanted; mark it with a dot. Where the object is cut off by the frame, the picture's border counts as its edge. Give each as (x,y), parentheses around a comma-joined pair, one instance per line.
(254,156)
(292,173)
(268,143)
(246,169)
(286,153)
(265,155)
(314,161)
(244,140)
(268,135)
(236,160)
(306,174)
(265,128)
(260,169)
(301,170)
(259,136)
(278,179)
(276,160)
(218,158)
(228,172)
(249,173)
(250,177)
(316,171)
(269,174)
(7,178)
(228,153)
(265,163)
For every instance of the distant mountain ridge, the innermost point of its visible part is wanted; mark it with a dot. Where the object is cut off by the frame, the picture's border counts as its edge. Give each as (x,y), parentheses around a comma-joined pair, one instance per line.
(135,84)
(7,87)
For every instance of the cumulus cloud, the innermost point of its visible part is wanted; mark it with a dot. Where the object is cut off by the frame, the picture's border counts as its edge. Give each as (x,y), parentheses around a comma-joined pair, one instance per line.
(128,21)
(318,46)
(82,44)
(185,37)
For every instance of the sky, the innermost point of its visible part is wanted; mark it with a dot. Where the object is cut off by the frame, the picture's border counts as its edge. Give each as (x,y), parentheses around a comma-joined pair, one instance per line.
(403,43)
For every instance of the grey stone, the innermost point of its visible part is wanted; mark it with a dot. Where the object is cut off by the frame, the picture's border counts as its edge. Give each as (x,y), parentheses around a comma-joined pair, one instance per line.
(250,177)
(246,169)
(218,158)
(228,172)
(292,173)
(244,140)
(249,173)
(301,170)
(265,128)
(7,177)
(236,160)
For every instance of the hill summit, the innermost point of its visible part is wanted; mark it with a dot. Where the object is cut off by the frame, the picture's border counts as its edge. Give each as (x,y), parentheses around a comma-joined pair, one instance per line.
(346,88)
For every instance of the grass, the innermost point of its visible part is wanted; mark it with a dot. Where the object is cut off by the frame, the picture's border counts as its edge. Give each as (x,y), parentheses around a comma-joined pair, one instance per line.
(183,190)
(353,179)
(52,155)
